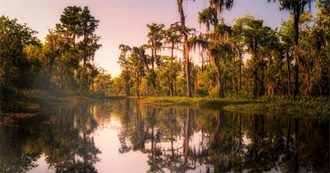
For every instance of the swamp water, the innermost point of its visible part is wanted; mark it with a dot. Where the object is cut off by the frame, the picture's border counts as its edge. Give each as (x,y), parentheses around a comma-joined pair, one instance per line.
(125,136)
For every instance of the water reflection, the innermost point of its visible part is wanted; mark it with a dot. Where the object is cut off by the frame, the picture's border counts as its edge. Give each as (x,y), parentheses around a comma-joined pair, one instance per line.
(177,139)
(68,144)
(64,138)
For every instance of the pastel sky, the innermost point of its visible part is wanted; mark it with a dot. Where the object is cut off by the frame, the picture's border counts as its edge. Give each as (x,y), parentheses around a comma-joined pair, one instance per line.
(124,21)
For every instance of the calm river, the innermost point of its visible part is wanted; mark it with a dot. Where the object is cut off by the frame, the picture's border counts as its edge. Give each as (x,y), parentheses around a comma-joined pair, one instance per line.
(124,136)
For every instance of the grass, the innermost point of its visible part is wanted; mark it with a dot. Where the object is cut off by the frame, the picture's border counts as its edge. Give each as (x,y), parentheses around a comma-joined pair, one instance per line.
(285,105)
(184,101)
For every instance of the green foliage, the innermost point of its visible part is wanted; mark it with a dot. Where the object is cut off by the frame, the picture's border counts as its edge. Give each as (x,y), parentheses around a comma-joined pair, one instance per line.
(156,36)
(64,61)
(77,22)
(15,66)
(102,83)
(247,59)
(314,107)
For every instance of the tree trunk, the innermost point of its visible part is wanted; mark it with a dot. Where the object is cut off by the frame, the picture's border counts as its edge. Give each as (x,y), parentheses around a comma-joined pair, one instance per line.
(289,71)
(171,88)
(185,46)
(308,82)
(127,88)
(296,56)
(239,71)
(219,79)
(153,56)
(172,78)
(255,71)
(255,82)
(186,52)
(296,76)
(220,83)
(262,86)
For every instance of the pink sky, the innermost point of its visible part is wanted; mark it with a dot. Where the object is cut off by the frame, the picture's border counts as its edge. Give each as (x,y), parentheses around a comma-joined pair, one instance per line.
(124,21)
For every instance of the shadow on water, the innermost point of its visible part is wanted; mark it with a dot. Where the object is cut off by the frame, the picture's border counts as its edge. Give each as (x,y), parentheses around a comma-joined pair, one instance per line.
(180,139)
(64,138)
(183,138)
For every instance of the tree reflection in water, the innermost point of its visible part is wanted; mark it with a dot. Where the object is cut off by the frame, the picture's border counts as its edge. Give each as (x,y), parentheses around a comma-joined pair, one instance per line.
(225,141)
(64,138)
(178,139)
(68,145)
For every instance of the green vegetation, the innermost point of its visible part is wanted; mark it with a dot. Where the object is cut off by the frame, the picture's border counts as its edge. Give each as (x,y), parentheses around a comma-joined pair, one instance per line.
(285,70)
(29,101)
(34,74)
(276,105)
(220,138)
(26,103)
(281,62)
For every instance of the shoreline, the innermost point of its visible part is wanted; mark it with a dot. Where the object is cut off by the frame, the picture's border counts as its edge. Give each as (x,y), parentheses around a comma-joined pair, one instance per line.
(281,105)
(314,107)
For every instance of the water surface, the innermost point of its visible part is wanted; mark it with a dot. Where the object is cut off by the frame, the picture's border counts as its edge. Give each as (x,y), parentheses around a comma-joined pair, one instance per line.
(124,136)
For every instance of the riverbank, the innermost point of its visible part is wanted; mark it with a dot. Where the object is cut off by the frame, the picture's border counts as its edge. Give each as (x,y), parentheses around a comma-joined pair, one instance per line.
(280,105)
(34,101)
(19,104)
(26,103)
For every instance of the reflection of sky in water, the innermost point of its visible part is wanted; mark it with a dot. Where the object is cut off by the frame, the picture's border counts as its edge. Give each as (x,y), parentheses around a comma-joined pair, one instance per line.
(259,132)
(43,166)
(106,140)
(111,160)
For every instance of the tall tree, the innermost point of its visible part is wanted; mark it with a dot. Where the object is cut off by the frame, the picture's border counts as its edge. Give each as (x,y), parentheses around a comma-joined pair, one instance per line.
(77,22)
(322,39)
(218,5)
(297,7)
(287,41)
(256,38)
(137,68)
(184,32)
(219,47)
(217,41)
(238,44)
(90,41)
(123,62)
(52,52)
(173,39)
(156,36)
(70,25)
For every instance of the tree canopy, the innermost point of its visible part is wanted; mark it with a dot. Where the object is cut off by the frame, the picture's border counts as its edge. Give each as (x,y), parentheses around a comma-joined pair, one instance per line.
(246,58)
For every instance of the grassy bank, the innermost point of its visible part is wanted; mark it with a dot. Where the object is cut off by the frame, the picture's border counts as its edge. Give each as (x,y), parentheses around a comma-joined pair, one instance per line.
(29,101)
(287,105)
(33,101)
(17,104)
